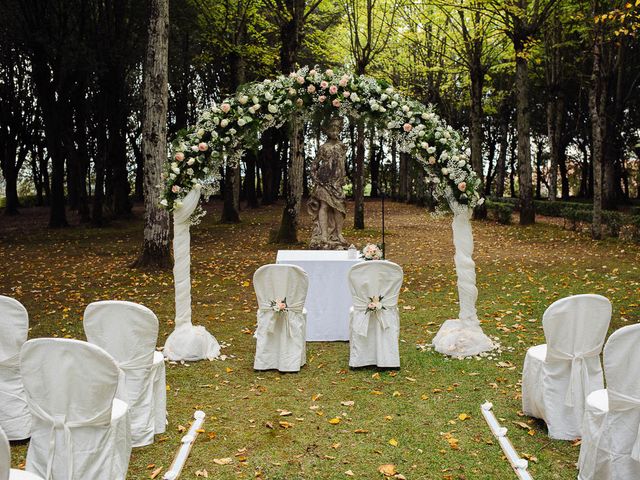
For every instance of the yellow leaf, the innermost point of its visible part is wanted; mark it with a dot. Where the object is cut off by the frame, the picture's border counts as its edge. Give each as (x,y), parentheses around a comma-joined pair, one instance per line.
(463,416)
(229,370)
(334,421)
(223,461)
(349,473)
(393,442)
(388,469)
(156,472)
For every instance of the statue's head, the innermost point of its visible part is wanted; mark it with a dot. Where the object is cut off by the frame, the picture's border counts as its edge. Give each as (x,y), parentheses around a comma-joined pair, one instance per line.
(333,127)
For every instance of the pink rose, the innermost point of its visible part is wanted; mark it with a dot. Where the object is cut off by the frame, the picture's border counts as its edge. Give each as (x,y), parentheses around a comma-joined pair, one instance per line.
(324,84)
(225,107)
(203,147)
(432,160)
(282,306)
(336,103)
(175,189)
(300,80)
(407,127)
(179,156)
(322,98)
(333,89)
(371,306)
(311,88)
(462,186)
(312,72)
(346,94)
(343,82)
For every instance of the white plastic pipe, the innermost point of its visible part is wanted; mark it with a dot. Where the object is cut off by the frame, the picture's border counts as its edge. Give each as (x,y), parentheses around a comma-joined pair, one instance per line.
(185,448)
(518,464)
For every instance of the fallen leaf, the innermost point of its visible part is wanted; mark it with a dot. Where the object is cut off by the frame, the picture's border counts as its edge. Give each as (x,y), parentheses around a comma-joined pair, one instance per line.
(463,416)
(223,461)
(202,473)
(156,472)
(388,469)
(334,421)
(348,403)
(393,442)
(349,473)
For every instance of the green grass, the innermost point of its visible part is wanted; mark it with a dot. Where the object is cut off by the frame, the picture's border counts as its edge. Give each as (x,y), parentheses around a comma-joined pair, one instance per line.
(520,272)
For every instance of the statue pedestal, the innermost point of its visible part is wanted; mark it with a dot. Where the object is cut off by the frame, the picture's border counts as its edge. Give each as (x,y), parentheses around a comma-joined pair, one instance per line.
(318,244)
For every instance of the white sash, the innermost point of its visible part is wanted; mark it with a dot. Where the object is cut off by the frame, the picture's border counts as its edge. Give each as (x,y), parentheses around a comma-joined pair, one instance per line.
(360,324)
(579,377)
(267,316)
(59,422)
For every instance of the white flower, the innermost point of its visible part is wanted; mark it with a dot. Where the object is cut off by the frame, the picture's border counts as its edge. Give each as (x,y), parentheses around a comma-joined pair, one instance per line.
(243,99)
(241,122)
(445,171)
(431,150)
(255,100)
(272,108)
(268,96)
(175,169)
(461,163)
(424,145)
(190,171)
(194,148)
(389,90)
(405,108)
(164,202)
(200,133)
(191,161)
(394,104)
(383,97)
(354,97)
(224,122)
(232,131)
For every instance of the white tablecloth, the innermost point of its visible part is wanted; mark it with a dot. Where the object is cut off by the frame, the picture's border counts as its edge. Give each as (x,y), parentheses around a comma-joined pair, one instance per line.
(328,299)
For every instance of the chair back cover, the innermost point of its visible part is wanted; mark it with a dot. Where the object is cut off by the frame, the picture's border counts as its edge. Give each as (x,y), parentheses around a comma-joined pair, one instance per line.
(273,282)
(575,328)
(5,456)
(14,325)
(127,330)
(367,280)
(69,384)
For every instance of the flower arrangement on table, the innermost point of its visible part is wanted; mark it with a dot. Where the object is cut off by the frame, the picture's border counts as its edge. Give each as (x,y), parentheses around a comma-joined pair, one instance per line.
(371,251)
(279,305)
(375,304)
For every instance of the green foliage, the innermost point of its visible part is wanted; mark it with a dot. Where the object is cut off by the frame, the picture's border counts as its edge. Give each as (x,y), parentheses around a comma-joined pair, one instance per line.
(501,211)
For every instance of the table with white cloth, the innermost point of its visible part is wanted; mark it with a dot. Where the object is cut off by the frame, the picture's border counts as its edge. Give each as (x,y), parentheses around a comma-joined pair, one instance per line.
(328,299)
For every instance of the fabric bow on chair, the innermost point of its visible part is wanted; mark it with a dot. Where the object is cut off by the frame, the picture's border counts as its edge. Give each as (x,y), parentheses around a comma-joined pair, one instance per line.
(362,314)
(268,317)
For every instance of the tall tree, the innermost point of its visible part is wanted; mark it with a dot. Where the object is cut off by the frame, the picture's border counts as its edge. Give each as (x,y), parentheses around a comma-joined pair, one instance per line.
(522,21)
(155,247)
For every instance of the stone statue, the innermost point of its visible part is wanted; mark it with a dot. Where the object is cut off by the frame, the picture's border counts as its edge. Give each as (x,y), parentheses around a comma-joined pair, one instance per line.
(326,205)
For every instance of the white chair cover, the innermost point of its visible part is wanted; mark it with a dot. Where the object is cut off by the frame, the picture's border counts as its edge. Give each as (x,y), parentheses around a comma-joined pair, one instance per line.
(6,472)
(281,336)
(558,376)
(610,447)
(128,332)
(15,418)
(79,429)
(374,335)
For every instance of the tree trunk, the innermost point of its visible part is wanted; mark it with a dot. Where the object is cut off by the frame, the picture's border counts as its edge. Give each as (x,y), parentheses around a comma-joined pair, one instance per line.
(358,184)
(501,168)
(155,247)
(527,209)
(555,126)
(597,103)
(288,232)
(374,165)
(404,176)
(250,180)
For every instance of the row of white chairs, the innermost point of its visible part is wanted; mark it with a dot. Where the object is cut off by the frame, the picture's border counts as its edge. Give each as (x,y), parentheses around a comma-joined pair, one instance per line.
(563,384)
(83,404)
(374,334)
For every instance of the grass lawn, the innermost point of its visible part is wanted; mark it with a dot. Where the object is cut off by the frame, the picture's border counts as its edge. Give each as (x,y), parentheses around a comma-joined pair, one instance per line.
(406,418)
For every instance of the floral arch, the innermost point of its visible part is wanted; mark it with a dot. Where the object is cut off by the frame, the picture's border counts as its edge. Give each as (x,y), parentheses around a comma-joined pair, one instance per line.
(224,132)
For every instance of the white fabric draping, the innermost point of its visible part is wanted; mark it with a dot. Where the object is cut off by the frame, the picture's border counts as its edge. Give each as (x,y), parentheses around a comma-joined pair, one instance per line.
(186,342)
(129,332)
(610,448)
(280,336)
(328,299)
(80,430)
(6,472)
(15,418)
(463,337)
(558,376)
(375,334)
